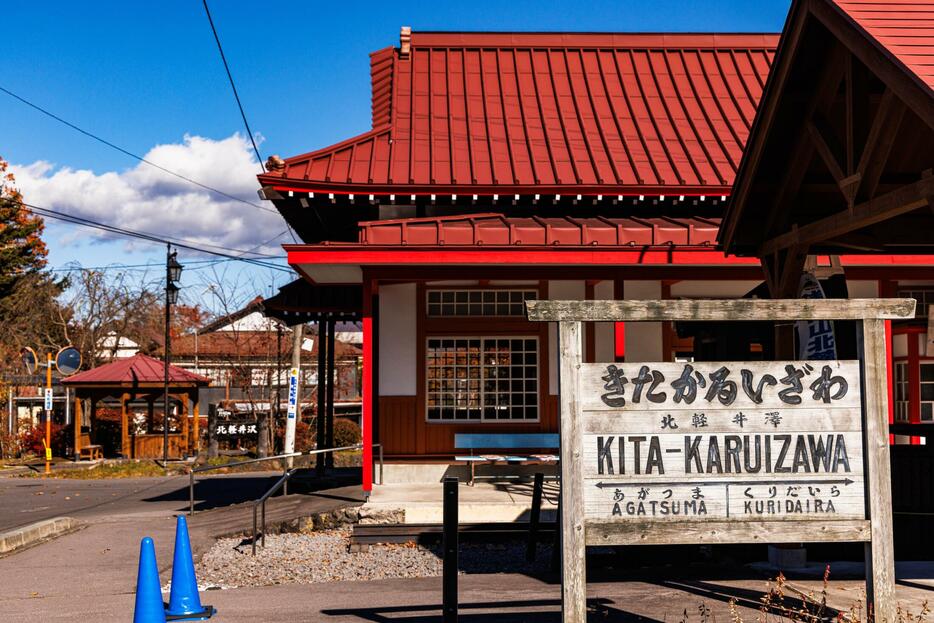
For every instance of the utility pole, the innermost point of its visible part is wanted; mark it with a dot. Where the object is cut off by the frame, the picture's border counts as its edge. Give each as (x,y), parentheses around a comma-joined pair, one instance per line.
(48,414)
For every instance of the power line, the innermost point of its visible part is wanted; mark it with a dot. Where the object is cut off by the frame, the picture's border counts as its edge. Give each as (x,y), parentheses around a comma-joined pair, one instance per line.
(73,266)
(233,86)
(132,155)
(182,243)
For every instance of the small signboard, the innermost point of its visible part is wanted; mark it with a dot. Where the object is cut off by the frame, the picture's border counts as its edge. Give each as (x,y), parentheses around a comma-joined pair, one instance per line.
(48,398)
(235,428)
(732,441)
(293,393)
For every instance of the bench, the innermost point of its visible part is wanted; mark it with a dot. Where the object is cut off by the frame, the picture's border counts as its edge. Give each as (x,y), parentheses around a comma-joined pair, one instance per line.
(504,441)
(91,452)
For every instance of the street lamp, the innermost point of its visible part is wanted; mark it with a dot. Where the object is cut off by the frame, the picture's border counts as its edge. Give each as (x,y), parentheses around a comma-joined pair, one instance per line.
(173,273)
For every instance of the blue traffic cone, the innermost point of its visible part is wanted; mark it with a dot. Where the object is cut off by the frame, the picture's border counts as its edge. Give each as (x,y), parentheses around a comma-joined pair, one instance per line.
(184,602)
(149,607)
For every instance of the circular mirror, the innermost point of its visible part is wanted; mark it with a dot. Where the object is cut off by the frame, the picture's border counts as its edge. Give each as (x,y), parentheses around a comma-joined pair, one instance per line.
(68,360)
(29,359)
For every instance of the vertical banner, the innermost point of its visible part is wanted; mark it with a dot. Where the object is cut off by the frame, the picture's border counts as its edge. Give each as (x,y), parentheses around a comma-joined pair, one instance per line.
(815,337)
(292,411)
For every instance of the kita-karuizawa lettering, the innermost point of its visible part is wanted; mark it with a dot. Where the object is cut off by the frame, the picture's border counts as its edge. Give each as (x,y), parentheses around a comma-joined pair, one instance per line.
(725,454)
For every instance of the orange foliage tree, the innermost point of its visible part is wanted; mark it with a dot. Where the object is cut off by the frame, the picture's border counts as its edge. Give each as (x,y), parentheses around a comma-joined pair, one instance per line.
(22,250)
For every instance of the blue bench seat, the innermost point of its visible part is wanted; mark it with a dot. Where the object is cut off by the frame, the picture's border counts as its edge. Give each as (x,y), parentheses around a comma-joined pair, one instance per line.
(504,441)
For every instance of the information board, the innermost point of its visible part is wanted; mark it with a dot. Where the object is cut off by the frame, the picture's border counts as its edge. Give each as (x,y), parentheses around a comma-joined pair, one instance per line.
(738,441)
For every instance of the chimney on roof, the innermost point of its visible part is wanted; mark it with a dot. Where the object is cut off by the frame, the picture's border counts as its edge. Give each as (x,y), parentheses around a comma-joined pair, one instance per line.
(275,163)
(405,42)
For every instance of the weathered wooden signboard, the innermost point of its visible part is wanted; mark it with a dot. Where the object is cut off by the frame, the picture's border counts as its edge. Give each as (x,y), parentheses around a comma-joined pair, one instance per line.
(738,441)
(725,452)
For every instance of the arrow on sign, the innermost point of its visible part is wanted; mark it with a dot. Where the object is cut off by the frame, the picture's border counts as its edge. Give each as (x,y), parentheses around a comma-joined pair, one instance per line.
(803,481)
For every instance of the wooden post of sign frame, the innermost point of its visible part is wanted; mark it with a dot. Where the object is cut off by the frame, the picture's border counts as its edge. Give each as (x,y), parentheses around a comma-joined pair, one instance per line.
(880,565)
(573,545)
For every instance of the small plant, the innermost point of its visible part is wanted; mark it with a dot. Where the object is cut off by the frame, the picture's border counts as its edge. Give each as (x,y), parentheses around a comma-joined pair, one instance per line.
(32,440)
(784,602)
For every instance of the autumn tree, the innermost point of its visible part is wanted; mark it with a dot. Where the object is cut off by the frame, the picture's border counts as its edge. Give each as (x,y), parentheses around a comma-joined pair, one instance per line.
(22,250)
(29,295)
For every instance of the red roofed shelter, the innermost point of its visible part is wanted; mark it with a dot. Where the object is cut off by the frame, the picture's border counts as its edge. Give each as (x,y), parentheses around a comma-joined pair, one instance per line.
(502,167)
(138,378)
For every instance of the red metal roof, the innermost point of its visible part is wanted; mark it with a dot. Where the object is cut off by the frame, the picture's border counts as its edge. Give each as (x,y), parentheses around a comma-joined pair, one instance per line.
(133,370)
(497,230)
(904,28)
(558,113)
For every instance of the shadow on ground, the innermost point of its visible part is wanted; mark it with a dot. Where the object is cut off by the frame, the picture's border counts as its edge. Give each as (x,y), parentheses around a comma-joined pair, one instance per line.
(598,610)
(220,490)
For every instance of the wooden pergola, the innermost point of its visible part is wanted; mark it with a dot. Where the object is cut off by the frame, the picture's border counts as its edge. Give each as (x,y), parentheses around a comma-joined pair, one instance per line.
(139,378)
(840,158)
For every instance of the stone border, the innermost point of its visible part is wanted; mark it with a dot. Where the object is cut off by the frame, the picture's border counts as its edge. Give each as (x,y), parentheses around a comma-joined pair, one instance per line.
(36,533)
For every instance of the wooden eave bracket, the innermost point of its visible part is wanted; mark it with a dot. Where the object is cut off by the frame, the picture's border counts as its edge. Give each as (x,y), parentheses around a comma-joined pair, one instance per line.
(908,198)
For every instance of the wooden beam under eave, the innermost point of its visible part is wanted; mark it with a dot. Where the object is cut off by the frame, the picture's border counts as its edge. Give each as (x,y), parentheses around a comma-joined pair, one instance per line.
(879,143)
(829,148)
(828,86)
(905,199)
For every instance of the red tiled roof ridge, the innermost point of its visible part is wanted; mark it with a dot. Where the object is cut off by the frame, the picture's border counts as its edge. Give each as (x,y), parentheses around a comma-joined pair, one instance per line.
(572,39)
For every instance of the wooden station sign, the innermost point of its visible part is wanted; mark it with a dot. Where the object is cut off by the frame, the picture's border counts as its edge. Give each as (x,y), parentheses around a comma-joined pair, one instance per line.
(725,452)
(737,441)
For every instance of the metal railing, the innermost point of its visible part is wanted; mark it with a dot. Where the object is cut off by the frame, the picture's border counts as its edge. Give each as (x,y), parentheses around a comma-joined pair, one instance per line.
(194,470)
(283,482)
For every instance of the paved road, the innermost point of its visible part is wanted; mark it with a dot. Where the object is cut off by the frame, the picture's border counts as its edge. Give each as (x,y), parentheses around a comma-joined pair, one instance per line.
(25,500)
(493,598)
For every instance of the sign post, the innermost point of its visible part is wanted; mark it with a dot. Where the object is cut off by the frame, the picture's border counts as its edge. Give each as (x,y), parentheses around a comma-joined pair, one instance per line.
(292,413)
(724,452)
(67,361)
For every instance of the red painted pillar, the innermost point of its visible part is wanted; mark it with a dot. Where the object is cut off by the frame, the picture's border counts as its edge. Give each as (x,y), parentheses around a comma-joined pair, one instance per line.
(914,384)
(368,397)
(619,328)
(890,375)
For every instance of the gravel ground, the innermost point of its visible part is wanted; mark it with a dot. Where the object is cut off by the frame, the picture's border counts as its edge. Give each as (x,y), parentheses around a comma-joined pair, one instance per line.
(324,557)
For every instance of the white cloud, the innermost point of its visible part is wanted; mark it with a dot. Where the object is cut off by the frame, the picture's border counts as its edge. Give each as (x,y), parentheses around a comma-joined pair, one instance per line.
(146,199)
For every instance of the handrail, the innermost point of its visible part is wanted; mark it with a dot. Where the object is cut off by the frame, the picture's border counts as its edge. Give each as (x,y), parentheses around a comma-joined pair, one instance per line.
(193,470)
(283,482)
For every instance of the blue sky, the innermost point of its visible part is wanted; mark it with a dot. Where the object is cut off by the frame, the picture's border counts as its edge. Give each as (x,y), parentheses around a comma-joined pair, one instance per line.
(147,74)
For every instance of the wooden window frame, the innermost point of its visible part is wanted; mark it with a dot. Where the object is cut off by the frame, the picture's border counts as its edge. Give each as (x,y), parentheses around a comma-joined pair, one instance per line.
(478,326)
(483,420)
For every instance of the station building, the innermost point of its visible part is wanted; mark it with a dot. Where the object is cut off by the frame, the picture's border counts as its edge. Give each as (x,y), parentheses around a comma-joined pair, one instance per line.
(503,167)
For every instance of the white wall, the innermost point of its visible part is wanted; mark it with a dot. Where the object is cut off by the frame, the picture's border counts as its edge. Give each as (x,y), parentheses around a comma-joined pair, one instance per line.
(643,339)
(397,340)
(862,289)
(559,291)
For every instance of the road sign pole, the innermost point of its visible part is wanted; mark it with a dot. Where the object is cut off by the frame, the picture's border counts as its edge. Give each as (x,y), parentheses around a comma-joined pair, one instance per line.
(48,415)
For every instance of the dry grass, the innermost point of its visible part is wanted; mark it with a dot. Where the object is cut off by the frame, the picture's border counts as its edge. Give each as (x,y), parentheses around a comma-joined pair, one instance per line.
(784,602)
(116,469)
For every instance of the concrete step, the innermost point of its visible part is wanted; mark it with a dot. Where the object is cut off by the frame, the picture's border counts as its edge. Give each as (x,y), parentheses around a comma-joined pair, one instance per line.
(481,503)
